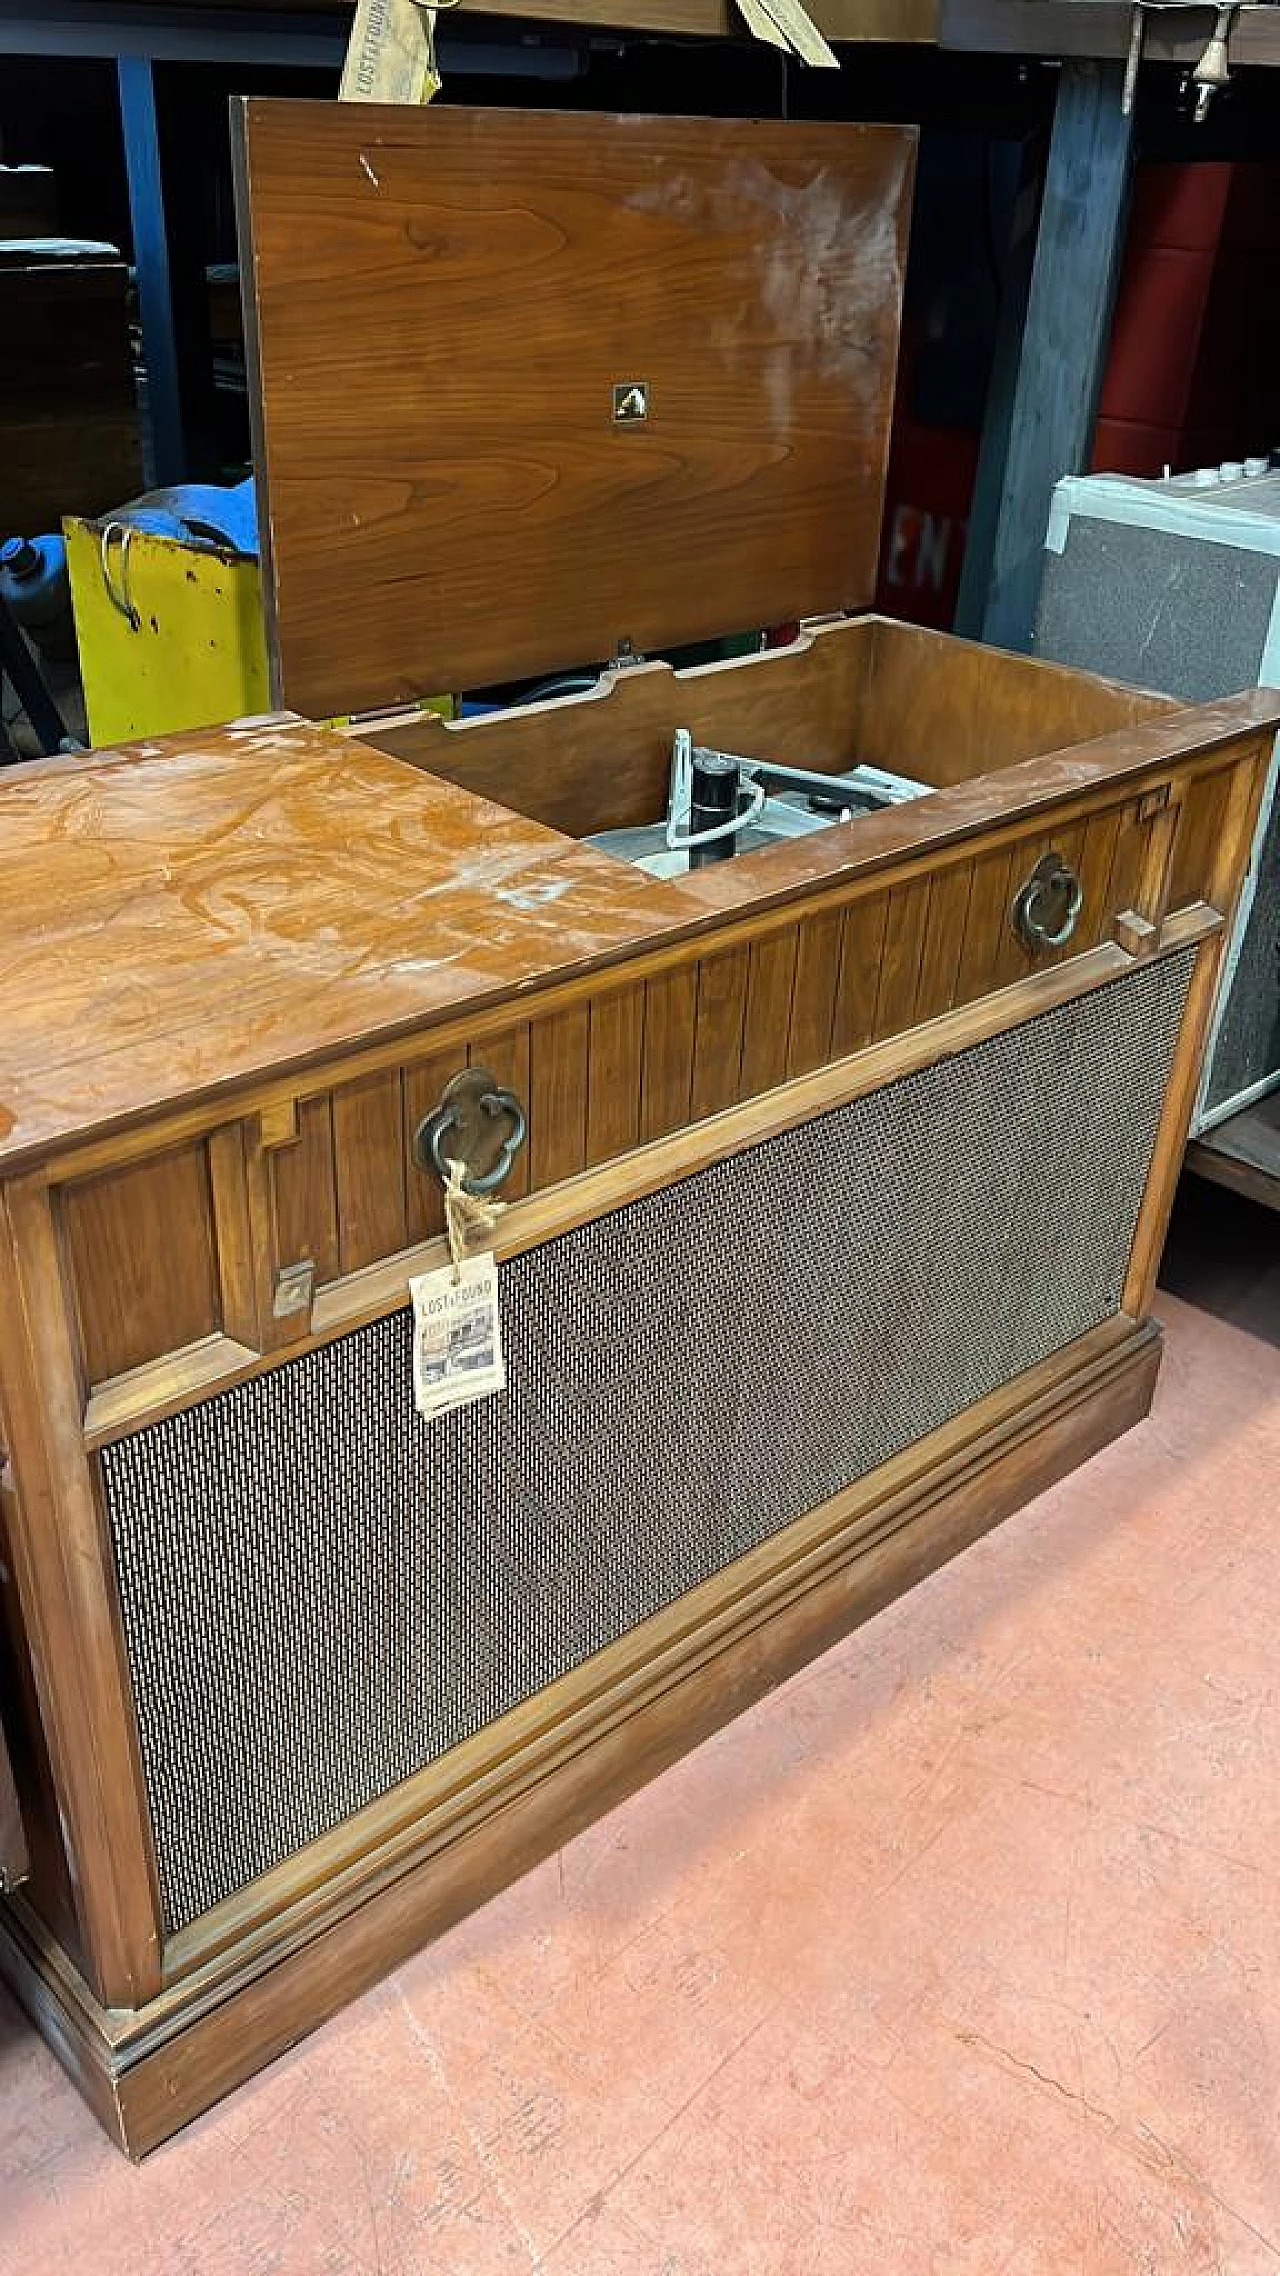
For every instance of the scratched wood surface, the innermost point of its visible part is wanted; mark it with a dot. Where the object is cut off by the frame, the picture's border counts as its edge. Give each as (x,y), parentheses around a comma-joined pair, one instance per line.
(185,918)
(611,1068)
(446,302)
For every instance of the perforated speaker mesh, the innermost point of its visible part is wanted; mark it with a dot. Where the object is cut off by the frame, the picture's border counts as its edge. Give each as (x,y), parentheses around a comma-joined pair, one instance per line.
(322,1593)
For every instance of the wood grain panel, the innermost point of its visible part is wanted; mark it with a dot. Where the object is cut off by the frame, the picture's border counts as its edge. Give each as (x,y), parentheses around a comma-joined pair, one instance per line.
(988,915)
(380,240)
(422,1084)
(615,1055)
(368,1152)
(717,1042)
(507,1058)
(558,1086)
(1013,959)
(799,705)
(943,940)
(813,996)
(901,958)
(1124,890)
(947,710)
(1096,861)
(387,877)
(1070,845)
(853,1017)
(238,1258)
(771,976)
(305,1194)
(1195,848)
(670,1011)
(141,1251)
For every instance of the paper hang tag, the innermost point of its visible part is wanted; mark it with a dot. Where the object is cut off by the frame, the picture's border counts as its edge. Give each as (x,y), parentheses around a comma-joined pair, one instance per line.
(457,1336)
(786,24)
(391,54)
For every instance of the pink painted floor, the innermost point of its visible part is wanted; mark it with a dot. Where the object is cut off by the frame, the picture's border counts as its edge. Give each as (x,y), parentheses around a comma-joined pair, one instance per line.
(959,1955)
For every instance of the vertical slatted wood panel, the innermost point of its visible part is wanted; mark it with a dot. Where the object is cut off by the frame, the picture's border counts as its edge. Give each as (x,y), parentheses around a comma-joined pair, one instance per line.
(813,995)
(368,1152)
(1069,844)
(615,1059)
(1127,866)
(558,1049)
(984,924)
(901,957)
(1013,959)
(507,1058)
(421,1088)
(1096,860)
(670,1009)
(306,1202)
(128,1310)
(767,1026)
(1200,827)
(718,1032)
(238,1267)
(944,938)
(858,980)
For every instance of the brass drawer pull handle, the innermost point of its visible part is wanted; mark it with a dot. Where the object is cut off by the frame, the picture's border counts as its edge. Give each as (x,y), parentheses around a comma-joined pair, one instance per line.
(477,1123)
(1047,906)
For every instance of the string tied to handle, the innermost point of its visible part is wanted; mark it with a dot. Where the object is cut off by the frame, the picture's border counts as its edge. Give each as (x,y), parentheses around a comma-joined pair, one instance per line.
(467,1216)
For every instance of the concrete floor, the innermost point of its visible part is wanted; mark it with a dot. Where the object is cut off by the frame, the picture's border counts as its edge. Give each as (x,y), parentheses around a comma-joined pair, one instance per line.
(961,1954)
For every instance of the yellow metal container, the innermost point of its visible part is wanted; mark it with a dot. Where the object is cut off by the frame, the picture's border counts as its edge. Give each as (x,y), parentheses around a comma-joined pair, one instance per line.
(170,635)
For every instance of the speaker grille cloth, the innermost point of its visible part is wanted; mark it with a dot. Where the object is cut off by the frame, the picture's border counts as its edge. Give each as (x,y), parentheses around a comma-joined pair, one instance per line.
(322,1593)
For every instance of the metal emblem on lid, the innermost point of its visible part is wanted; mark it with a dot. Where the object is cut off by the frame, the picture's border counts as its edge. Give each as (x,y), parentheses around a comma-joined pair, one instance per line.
(630,402)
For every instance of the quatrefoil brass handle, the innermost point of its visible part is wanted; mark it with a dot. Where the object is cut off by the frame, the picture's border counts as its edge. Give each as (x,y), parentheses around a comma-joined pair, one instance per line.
(1046,908)
(478,1123)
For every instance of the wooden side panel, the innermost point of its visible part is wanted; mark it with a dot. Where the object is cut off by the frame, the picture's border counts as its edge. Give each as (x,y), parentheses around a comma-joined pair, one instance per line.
(901,958)
(1070,845)
(368,1147)
(670,1011)
(558,1084)
(1127,865)
(718,1033)
(987,917)
(814,994)
(306,1201)
(944,939)
(1096,859)
(767,1028)
(615,1055)
(946,710)
(507,1058)
(858,981)
(1013,959)
(1200,828)
(140,1247)
(422,1085)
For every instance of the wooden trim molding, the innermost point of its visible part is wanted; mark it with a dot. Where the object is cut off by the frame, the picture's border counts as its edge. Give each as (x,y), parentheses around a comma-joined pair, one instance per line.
(177,1380)
(67,1588)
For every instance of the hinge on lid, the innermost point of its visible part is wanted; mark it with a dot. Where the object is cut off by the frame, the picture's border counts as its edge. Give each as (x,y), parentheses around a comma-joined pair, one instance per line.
(626,657)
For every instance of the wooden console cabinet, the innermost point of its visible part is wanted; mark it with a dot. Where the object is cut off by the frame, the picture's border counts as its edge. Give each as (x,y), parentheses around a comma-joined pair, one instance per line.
(835,1231)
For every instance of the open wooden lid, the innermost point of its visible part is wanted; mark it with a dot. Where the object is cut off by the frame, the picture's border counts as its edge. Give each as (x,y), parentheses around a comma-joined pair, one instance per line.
(531,386)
